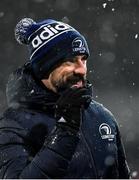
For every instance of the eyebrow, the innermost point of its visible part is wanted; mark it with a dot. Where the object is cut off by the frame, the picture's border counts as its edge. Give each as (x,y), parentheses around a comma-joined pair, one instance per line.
(75,57)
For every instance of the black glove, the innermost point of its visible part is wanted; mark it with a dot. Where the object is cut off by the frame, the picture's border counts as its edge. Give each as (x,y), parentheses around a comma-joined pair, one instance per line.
(70,104)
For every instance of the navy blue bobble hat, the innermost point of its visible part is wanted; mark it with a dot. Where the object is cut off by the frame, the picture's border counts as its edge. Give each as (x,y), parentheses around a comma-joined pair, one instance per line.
(49,42)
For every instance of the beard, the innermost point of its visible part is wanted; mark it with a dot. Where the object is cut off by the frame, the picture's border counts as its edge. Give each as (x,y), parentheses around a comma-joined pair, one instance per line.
(67,82)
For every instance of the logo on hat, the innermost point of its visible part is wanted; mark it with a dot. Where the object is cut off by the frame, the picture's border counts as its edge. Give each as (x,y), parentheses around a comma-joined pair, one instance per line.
(78,45)
(105,132)
(46,33)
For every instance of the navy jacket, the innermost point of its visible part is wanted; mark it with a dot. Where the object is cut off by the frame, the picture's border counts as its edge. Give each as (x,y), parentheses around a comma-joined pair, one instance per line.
(33,146)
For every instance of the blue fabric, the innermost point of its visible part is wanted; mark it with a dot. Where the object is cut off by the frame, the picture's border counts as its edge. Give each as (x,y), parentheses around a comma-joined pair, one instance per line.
(32,146)
(50,40)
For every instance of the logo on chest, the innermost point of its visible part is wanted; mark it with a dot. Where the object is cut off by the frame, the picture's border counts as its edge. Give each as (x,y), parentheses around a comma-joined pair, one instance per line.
(105,132)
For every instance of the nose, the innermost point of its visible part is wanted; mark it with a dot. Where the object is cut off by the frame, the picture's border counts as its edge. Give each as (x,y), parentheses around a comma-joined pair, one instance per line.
(80,67)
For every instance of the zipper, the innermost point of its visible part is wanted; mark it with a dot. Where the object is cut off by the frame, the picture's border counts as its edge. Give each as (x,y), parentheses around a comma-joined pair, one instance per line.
(88,148)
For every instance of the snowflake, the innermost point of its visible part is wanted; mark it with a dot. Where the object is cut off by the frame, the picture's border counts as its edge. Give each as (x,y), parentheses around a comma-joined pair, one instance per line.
(136,36)
(104,5)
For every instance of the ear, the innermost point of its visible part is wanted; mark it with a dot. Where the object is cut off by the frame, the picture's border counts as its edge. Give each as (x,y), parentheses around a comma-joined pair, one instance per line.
(48,84)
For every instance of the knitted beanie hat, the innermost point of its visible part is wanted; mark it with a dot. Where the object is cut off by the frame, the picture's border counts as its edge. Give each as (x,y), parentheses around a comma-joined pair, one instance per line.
(49,42)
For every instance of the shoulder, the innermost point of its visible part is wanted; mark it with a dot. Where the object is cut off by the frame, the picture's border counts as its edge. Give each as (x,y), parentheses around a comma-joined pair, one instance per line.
(9,120)
(11,132)
(100,108)
(24,126)
(101,112)
(26,119)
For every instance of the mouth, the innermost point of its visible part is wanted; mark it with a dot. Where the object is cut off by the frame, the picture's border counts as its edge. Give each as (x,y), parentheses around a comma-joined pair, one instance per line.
(79,84)
(72,81)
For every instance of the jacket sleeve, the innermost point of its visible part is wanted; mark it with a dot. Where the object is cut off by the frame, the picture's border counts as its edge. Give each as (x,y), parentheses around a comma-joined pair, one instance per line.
(50,162)
(124,172)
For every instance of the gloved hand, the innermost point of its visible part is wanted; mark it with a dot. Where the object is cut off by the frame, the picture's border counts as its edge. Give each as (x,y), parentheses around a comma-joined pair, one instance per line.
(70,104)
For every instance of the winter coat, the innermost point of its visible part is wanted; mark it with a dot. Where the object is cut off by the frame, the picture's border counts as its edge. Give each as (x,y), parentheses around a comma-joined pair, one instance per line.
(32,146)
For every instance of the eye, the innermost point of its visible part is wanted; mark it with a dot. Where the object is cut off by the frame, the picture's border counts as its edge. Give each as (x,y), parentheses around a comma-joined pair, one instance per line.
(70,60)
(75,59)
(84,57)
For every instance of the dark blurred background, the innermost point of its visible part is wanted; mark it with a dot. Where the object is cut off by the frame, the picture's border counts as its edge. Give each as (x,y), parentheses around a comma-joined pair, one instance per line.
(112,31)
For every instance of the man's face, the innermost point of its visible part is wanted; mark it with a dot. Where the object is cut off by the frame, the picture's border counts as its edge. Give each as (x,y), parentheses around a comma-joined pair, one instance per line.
(70,73)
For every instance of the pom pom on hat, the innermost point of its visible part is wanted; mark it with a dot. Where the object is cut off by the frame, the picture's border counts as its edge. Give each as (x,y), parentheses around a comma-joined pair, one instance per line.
(49,42)
(21,30)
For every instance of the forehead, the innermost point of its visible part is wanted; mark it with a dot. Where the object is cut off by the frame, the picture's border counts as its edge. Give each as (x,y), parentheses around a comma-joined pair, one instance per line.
(83,56)
(62,63)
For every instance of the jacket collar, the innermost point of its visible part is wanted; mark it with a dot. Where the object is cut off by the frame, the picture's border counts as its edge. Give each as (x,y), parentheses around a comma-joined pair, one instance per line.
(23,90)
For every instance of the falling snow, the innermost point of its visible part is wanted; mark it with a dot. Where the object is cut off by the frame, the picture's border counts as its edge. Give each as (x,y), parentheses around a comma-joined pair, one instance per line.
(134,174)
(136,36)
(132,62)
(112,30)
(104,5)
(1,14)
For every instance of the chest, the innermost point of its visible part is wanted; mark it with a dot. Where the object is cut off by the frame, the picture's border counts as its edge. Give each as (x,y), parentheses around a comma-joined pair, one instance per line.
(96,152)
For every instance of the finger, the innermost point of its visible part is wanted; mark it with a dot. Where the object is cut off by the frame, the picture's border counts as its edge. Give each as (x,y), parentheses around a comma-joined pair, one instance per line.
(83,100)
(71,96)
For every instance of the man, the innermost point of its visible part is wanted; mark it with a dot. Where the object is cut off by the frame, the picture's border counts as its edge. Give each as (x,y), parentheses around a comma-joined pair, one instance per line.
(53,128)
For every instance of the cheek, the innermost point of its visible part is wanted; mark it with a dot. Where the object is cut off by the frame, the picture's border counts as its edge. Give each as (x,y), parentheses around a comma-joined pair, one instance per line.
(56,77)
(59,79)
(61,73)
